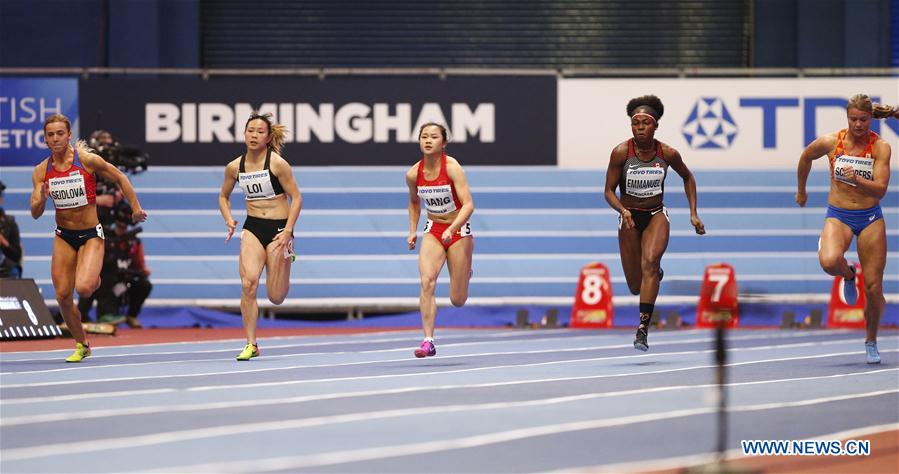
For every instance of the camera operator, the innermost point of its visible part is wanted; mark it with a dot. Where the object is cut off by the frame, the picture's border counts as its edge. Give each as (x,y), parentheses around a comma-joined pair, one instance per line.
(124,277)
(10,243)
(128,159)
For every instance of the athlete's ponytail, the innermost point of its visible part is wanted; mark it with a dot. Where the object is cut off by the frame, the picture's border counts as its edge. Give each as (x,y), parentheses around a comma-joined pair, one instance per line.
(278,132)
(882,111)
(83,147)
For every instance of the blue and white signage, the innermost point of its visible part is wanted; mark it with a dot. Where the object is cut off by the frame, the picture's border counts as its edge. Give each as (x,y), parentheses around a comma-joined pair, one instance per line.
(25,102)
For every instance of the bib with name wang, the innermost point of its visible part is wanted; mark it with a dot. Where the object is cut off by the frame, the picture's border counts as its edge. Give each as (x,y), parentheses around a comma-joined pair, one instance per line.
(439,194)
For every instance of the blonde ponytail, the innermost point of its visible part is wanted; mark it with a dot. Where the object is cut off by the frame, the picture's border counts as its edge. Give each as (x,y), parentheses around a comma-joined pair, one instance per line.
(278,132)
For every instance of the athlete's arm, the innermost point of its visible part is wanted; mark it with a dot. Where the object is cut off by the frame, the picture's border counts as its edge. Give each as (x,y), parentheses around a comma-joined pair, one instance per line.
(111,173)
(284,173)
(463,192)
(676,162)
(225,197)
(816,149)
(613,178)
(414,206)
(878,186)
(40,192)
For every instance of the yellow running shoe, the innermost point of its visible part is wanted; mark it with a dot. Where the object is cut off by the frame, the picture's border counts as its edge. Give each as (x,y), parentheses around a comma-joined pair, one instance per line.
(81,351)
(252,350)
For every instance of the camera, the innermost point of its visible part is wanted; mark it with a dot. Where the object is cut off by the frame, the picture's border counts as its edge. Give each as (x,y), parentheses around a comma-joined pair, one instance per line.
(128,159)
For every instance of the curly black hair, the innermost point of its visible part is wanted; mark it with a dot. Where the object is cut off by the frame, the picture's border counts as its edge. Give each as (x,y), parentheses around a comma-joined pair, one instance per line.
(650,101)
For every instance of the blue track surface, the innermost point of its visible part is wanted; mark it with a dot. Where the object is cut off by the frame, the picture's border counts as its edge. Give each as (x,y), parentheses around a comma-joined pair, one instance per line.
(491,401)
(534,229)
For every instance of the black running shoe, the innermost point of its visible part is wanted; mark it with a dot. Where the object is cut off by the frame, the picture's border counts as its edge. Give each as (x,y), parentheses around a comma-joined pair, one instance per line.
(640,340)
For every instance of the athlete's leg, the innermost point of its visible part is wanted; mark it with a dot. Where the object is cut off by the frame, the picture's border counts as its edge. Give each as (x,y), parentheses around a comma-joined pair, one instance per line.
(835,240)
(252,260)
(63,264)
(277,274)
(458,261)
(631,254)
(872,252)
(431,258)
(654,243)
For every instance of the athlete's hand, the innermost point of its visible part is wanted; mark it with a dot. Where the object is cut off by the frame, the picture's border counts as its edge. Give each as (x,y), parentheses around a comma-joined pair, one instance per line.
(139,215)
(801,198)
(283,241)
(232,224)
(45,191)
(411,240)
(447,235)
(627,219)
(698,225)
(849,174)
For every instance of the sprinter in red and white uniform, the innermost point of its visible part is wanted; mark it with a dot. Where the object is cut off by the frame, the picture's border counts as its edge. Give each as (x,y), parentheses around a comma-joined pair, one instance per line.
(267,181)
(439,182)
(68,177)
(859,179)
(638,167)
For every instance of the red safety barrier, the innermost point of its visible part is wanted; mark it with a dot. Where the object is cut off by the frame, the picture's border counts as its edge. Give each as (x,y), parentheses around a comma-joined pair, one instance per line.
(842,315)
(718,297)
(593,298)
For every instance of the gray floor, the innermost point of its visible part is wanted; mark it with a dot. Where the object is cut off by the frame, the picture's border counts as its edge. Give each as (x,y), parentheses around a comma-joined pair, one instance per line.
(491,401)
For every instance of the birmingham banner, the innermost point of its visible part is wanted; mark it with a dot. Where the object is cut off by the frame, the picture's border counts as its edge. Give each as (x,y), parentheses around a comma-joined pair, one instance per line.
(371,120)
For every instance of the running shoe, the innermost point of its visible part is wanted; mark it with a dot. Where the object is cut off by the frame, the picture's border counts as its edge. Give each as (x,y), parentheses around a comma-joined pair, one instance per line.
(248,352)
(82,351)
(427,349)
(871,352)
(640,340)
(850,292)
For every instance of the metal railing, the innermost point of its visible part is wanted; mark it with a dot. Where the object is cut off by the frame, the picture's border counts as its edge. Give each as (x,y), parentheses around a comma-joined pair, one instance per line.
(323,73)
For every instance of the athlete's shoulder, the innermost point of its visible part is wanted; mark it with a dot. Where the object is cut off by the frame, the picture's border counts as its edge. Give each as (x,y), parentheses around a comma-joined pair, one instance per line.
(620,150)
(413,170)
(40,169)
(668,151)
(450,161)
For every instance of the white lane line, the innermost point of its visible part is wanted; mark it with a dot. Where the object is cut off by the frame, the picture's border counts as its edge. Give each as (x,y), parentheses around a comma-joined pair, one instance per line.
(144,410)
(382,452)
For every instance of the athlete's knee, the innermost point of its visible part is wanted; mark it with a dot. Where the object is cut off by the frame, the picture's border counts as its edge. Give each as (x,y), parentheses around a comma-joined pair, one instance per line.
(428,283)
(64,295)
(84,290)
(249,285)
(650,265)
(277,297)
(873,288)
(830,261)
(458,299)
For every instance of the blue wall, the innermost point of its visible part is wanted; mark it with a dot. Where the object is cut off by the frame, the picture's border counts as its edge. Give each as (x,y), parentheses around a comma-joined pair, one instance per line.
(75,33)
(825,33)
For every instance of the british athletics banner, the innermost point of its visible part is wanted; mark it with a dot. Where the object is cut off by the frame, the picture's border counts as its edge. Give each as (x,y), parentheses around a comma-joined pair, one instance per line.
(335,121)
(717,123)
(25,102)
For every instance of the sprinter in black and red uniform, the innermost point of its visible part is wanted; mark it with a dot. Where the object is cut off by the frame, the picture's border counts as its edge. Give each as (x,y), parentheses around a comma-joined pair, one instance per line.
(439,181)
(68,177)
(638,167)
(266,242)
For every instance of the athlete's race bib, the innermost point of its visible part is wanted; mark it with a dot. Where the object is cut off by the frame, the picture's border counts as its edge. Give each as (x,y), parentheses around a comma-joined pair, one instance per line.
(68,192)
(644,181)
(863,166)
(437,199)
(256,185)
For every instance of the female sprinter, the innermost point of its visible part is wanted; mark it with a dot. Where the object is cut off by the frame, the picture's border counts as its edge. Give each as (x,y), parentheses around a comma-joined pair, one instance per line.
(267,239)
(859,178)
(68,177)
(638,167)
(438,181)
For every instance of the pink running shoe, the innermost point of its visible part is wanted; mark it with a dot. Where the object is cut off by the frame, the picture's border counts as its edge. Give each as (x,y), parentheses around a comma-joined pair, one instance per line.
(427,349)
